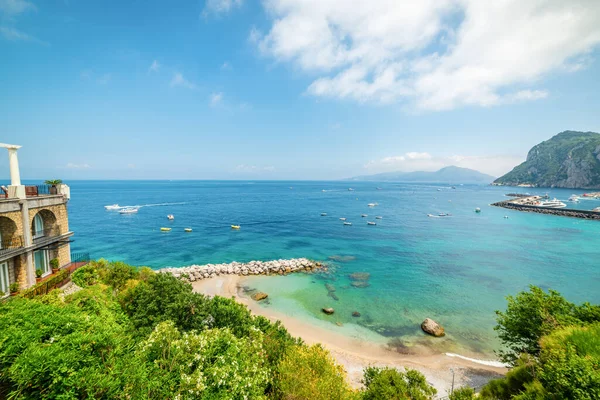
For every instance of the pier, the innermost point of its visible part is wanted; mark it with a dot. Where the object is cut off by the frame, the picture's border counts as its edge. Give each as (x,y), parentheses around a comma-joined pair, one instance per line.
(526,204)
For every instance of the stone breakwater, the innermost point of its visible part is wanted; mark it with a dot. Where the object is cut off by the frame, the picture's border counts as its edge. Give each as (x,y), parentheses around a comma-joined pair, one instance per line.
(281,267)
(524,204)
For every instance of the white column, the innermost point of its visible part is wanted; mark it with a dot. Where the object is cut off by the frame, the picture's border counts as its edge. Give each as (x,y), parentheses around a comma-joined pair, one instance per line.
(15,176)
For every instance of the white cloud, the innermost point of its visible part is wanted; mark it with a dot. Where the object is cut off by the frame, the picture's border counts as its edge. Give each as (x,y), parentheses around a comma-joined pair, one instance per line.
(226,66)
(179,80)
(433,54)
(154,67)
(77,166)
(221,6)
(495,165)
(254,168)
(104,79)
(216,99)
(15,7)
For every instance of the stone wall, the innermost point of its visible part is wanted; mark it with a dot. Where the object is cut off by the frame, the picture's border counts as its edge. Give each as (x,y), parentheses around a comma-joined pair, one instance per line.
(6,227)
(53,215)
(20,270)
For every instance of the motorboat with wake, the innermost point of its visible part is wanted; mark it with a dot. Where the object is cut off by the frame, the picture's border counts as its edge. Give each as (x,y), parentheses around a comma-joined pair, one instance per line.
(574,198)
(113,207)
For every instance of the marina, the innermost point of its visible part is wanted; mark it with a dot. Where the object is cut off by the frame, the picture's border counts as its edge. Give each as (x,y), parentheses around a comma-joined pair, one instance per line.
(537,204)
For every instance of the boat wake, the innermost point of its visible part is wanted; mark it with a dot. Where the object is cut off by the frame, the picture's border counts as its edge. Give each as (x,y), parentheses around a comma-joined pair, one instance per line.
(159,205)
(490,363)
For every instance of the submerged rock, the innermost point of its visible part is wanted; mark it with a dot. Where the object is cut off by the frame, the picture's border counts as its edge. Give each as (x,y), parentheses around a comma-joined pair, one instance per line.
(328,310)
(433,328)
(356,314)
(360,276)
(259,296)
(360,284)
(330,287)
(333,296)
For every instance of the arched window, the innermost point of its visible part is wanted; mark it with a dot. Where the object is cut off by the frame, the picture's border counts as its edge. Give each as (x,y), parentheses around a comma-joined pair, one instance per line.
(38,226)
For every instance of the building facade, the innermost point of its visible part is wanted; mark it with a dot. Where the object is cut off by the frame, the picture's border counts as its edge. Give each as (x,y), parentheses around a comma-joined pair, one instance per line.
(34,229)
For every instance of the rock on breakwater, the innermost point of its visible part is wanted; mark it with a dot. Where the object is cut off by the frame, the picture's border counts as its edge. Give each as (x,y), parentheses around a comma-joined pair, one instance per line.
(199,272)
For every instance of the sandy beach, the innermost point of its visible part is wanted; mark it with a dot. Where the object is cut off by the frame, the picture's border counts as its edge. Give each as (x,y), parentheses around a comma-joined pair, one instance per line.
(355,354)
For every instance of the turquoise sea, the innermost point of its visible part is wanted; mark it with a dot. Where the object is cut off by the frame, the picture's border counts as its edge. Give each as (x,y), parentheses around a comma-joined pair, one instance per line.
(456,270)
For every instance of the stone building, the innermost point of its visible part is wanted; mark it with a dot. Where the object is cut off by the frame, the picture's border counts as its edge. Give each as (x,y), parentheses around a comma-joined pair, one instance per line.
(34,228)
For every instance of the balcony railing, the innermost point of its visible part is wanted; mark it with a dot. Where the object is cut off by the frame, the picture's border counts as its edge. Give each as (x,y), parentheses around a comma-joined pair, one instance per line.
(46,233)
(33,191)
(6,245)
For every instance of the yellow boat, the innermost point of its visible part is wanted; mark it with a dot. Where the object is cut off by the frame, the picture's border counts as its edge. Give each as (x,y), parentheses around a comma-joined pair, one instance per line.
(235,227)
(187,229)
(165,229)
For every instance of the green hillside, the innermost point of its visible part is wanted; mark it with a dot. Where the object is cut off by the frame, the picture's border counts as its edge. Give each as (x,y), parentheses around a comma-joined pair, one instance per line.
(568,160)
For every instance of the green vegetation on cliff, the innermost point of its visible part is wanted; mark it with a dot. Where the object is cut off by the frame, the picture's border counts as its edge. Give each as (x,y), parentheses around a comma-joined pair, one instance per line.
(133,334)
(568,160)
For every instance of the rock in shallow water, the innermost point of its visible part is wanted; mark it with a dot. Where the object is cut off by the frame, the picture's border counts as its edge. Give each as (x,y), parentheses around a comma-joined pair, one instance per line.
(328,310)
(259,296)
(356,314)
(433,328)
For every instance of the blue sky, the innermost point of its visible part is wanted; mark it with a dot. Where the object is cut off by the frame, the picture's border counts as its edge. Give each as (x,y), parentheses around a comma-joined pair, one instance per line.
(290,89)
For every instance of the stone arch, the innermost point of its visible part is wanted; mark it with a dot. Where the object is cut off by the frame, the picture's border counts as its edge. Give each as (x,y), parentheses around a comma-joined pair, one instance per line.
(44,224)
(8,230)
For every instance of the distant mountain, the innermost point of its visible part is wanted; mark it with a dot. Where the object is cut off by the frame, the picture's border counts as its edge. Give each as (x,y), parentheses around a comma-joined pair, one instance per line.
(568,160)
(445,175)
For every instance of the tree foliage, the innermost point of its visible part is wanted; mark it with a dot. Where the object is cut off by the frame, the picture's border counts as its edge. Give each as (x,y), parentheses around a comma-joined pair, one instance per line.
(389,383)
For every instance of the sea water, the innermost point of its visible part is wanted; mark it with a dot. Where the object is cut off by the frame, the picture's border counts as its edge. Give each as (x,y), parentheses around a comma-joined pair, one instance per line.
(456,269)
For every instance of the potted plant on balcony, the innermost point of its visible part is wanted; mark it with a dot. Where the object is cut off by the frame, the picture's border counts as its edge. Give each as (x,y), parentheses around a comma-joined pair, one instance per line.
(53,185)
(38,275)
(54,265)
(14,288)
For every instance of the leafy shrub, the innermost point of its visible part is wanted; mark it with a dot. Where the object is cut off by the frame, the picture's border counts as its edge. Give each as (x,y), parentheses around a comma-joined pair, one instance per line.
(117,274)
(49,283)
(165,298)
(213,364)
(463,393)
(528,317)
(310,373)
(86,276)
(389,383)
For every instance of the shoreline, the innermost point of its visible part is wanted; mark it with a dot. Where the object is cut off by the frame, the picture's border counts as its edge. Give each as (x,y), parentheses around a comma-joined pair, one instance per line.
(355,354)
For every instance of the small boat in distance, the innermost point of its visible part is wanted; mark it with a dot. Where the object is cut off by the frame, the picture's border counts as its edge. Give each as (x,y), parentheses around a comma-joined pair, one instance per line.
(131,210)
(165,229)
(323,214)
(170,217)
(597,209)
(342,219)
(378,217)
(347,223)
(371,223)
(478,210)
(235,227)
(574,198)
(350,190)
(372,204)
(364,215)
(444,214)
(551,204)
(113,207)
(187,229)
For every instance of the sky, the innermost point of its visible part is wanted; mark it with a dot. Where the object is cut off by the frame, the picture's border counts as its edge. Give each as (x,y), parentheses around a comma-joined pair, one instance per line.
(290,89)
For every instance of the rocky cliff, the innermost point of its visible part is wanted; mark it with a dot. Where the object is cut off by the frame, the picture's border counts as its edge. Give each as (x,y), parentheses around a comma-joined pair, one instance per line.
(568,160)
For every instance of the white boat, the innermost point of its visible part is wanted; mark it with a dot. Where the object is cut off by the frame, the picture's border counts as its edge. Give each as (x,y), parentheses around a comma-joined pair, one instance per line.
(323,214)
(478,210)
(574,198)
(113,207)
(378,217)
(342,219)
(444,214)
(364,215)
(171,217)
(128,210)
(551,204)
(347,223)
(372,204)
(350,190)
(597,209)
(371,223)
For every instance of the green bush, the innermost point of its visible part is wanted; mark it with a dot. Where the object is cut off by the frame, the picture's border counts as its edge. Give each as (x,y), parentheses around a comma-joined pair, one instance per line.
(391,384)
(116,274)
(165,298)
(213,364)
(86,276)
(463,393)
(310,373)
